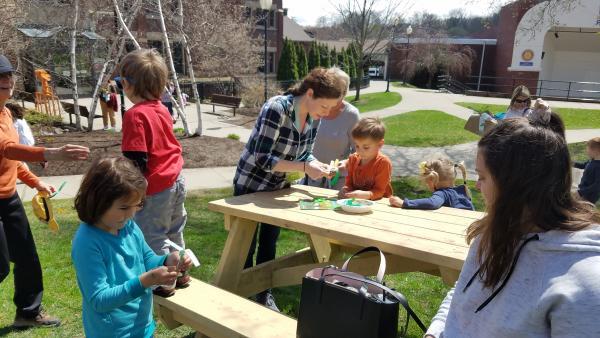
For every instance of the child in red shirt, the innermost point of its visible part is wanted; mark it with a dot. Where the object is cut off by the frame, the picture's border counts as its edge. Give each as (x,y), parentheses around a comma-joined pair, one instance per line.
(369,171)
(149,141)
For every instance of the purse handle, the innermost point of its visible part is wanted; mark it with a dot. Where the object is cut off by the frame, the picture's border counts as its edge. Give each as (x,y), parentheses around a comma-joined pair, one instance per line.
(382,263)
(397,295)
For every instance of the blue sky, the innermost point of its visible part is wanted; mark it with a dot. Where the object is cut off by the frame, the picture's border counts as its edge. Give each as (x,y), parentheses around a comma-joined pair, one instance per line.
(306,12)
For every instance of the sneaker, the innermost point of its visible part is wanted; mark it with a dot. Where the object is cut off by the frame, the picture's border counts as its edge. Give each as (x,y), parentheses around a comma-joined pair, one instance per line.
(183,281)
(163,292)
(267,300)
(41,320)
(105,128)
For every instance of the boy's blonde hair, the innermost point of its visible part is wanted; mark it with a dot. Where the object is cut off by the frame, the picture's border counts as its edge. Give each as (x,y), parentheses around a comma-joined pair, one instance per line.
(145,70)
(442,169)
(369,127)
(594,144)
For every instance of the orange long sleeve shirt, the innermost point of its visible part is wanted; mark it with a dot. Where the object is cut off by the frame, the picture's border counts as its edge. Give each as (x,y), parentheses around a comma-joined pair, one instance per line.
(11,155)
(374,176)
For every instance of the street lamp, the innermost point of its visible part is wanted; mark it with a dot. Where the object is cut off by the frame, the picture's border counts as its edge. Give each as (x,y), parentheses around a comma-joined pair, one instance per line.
(265,5)
(389,52)
(408,33)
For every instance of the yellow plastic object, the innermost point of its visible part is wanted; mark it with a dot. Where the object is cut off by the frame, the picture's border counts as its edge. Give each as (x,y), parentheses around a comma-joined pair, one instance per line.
(42,208)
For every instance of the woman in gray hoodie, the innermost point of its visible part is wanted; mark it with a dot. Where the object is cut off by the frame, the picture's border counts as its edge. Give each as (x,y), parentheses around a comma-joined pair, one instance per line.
(533,269)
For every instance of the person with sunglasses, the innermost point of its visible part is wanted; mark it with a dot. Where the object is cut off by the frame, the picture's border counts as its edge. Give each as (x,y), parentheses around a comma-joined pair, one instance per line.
(16,241)
(520,106)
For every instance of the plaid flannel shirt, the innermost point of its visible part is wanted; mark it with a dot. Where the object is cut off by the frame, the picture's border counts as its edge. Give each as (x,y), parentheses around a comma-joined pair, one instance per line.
(274,138)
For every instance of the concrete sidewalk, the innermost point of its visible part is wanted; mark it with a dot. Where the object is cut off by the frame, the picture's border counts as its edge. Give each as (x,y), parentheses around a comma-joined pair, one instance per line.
(195,179)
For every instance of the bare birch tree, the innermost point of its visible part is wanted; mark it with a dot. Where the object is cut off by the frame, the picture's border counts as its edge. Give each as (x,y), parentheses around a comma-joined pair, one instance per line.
(111,59)
(74,68)
(368,22)
(137,46)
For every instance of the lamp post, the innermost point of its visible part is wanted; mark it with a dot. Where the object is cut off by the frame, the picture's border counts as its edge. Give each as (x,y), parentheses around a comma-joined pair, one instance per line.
(389,52)
(408,33)
(265,5)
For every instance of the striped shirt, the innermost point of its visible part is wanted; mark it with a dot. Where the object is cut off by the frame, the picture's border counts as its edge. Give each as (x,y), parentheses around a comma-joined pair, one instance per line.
(275,137)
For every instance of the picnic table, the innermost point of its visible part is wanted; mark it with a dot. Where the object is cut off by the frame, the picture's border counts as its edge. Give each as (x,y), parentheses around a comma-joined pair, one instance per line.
(413,240)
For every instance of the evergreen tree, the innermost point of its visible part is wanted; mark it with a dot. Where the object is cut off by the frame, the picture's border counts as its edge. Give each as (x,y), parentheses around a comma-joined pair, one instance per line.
(288,64)
(302,61)
(314,59)
(325,59)
(351,63)
(341,61)
(333,56)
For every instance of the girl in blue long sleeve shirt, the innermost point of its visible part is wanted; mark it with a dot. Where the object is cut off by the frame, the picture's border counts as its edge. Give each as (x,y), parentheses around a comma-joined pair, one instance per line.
(439,175)
(114,265)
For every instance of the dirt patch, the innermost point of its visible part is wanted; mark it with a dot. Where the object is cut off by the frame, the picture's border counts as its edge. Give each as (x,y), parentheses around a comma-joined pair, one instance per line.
(198,152)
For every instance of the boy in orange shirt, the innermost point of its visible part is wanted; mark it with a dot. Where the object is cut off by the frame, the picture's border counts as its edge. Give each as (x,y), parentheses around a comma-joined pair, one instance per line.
(369,171)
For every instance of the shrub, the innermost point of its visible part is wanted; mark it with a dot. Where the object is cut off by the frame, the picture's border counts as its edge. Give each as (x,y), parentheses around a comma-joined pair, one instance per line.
(252,91)
(35,117)
(234,137)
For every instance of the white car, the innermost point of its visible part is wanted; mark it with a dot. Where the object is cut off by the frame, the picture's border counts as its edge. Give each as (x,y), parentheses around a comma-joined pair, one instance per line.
(374,72)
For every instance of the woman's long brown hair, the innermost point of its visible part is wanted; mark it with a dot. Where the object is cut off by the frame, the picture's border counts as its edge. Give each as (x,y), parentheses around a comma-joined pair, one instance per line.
(531,170)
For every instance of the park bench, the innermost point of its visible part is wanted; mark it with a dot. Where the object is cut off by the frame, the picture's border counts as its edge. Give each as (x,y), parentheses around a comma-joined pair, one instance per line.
(218,313)
(225,101)
(69,108)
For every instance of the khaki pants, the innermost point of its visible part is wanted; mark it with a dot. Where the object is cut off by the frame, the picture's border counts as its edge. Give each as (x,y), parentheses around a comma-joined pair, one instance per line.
(107,113)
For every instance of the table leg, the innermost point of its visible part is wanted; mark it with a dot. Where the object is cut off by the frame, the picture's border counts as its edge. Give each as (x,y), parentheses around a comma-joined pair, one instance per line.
(449,276)
(234,253)
(322,249)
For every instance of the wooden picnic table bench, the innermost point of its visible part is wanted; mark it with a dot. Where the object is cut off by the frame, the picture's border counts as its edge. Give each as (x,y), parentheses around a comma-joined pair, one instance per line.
(69,108)
(431,241)
(224,101)
(218,313)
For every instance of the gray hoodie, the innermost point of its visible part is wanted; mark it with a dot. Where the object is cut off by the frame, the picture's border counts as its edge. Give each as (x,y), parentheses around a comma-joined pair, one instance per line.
(554,291)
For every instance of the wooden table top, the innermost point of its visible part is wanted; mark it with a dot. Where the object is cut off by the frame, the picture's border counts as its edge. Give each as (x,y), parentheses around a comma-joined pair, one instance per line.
(436,237)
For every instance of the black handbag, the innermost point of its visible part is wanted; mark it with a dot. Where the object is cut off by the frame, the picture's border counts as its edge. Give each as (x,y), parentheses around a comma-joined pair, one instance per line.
(337,303)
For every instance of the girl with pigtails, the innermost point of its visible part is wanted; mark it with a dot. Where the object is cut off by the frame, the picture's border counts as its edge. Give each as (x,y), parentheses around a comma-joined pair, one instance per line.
(439,175)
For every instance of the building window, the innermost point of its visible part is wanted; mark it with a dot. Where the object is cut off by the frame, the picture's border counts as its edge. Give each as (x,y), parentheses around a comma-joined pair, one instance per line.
(271,18)
(271,62)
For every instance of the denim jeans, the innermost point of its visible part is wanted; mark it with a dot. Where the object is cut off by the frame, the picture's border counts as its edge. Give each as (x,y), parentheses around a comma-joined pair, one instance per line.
(164,217)
(267,240)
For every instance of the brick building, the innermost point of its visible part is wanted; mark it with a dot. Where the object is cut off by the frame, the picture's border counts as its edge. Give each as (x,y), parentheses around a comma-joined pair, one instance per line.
(554,57)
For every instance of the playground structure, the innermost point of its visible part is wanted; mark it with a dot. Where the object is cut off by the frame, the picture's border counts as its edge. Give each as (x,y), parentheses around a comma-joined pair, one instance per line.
(45,99)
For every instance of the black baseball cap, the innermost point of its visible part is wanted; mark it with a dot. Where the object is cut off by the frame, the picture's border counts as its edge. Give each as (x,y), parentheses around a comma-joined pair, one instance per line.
(5,65)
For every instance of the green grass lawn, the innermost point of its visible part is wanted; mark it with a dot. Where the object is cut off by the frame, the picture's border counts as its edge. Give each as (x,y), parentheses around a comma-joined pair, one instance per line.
(578,152)
(375,101)
(205,235)
(426,128)
(399,84)
(573,118)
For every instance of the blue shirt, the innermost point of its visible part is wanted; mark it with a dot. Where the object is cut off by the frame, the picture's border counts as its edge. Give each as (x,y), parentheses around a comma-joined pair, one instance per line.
(589,186)
(276,136)
(455,197)
(115,304)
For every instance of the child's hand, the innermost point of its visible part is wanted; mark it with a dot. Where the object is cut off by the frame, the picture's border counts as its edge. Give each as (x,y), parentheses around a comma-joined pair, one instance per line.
(343,192)
(174,260)
(359,194)
(162,275)
(396,201)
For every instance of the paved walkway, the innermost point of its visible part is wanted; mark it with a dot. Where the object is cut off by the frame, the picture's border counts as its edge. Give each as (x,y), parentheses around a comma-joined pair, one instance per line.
(405,159)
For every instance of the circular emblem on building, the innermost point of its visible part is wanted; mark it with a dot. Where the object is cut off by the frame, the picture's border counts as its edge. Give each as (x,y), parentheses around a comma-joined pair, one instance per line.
(527,55)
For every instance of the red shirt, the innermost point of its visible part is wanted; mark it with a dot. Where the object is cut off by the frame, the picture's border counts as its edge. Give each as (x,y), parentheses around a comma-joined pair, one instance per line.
(148,127)
(374,176)
(11,155)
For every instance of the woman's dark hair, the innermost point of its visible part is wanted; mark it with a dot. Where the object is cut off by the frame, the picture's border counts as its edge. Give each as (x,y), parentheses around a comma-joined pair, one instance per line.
(325,84)
(107,180)
(531,170)
(17,111)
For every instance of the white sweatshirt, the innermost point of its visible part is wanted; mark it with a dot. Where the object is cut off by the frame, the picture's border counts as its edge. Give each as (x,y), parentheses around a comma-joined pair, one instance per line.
(554,291)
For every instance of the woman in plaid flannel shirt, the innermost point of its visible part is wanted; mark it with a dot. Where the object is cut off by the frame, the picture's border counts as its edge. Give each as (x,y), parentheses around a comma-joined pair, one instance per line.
(281,142)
